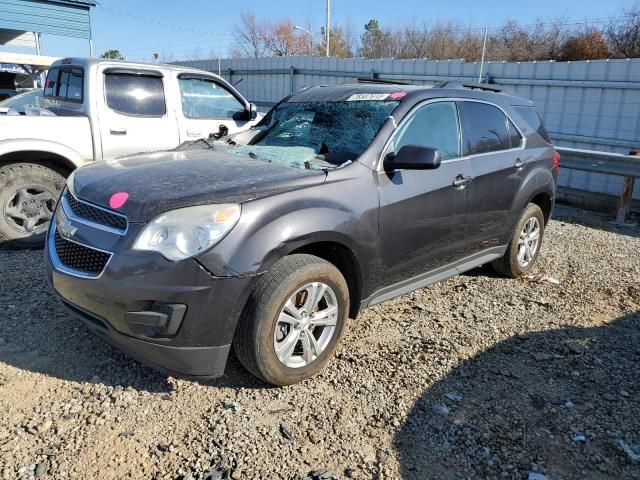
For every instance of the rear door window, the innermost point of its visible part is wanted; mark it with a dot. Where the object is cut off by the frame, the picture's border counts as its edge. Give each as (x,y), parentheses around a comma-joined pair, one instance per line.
(532,117)
(139,95)
(484,128)
(65,83)
(434,125)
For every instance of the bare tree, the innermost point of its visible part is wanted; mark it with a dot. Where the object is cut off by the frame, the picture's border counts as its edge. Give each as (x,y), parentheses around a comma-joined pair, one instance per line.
(281,39)
(624,37)
(555,40)
(249,37)
(414,41)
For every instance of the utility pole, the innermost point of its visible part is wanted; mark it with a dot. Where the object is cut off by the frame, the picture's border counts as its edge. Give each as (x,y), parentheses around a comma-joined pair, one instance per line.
(327,27)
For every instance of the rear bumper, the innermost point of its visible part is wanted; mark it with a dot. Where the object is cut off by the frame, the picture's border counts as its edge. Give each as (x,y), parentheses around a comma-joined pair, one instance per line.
(201,362)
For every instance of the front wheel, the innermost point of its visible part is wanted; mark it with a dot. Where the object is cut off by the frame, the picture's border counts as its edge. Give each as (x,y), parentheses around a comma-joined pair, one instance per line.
(293,320)
(525,244)
(28,195)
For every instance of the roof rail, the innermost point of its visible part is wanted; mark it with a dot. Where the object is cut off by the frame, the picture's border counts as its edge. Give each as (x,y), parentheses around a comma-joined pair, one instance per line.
(469,85)
(382,81)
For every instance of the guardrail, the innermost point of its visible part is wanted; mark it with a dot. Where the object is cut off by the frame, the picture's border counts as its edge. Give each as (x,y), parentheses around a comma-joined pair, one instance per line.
(627,166)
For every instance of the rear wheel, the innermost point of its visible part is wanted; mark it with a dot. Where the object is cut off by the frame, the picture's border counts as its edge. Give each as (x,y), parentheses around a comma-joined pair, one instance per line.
(525,244)
(28,195)
(293,321)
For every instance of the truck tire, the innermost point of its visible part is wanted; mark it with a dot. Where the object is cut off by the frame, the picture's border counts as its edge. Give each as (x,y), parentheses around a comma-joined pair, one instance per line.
(28,195)
(525,244)
(293,320)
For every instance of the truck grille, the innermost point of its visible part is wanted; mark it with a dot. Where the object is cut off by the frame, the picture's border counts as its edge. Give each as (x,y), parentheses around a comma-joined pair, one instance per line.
(95,214)
(80,258)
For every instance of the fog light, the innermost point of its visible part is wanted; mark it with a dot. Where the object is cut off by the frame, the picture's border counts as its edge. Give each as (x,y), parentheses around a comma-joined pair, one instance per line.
(162,320)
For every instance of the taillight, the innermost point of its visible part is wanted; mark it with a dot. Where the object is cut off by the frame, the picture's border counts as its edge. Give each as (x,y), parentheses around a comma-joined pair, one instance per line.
(556,161)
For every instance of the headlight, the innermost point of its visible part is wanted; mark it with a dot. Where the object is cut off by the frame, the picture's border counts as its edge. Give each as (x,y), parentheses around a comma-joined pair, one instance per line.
(185,232)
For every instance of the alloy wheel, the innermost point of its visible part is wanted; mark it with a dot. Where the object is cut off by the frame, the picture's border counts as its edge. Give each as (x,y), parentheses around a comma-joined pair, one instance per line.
(306,325)
(529,242)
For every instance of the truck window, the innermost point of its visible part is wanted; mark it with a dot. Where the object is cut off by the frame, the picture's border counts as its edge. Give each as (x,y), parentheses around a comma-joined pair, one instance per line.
(484,128)
(205,99)
(140,95)
(65,83)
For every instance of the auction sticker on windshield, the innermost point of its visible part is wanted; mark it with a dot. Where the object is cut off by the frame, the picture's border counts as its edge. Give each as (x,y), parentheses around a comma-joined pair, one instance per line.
(359,97)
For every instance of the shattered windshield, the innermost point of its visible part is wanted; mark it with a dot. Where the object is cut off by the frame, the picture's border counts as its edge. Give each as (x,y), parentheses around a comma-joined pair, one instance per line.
(314,134)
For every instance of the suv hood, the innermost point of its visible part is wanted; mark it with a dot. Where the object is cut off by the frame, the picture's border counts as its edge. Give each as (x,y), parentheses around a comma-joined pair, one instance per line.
(163,181)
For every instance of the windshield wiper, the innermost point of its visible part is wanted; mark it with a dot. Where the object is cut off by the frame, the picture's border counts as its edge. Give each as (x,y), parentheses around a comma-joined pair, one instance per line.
(319,162)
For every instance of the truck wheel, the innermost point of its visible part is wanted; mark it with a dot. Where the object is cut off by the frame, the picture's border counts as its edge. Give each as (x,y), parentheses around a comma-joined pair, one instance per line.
(28,196)
(293,320)
(525,244)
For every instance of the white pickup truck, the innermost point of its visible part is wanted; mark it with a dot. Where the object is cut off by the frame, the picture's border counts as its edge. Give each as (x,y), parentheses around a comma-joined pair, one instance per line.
(97,109)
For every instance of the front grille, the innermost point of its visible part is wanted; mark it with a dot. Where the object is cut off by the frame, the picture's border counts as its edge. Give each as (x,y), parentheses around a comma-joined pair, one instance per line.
(80,258)
(95,214)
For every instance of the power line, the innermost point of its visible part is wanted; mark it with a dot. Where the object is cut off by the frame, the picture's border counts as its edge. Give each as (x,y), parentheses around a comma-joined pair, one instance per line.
(156,22)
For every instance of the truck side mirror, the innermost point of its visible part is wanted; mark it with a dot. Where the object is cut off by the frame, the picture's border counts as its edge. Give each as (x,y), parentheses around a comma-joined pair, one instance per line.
(253,111)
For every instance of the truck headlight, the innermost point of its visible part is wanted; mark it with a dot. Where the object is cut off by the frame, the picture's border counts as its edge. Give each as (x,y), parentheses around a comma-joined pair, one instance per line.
(185,232)
(70,184)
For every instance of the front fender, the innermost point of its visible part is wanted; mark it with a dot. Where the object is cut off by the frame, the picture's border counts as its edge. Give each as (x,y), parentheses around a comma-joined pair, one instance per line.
(46,146)
(273,227)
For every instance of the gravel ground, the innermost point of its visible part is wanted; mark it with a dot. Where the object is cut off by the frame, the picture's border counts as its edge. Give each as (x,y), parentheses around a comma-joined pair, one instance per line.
(477,376)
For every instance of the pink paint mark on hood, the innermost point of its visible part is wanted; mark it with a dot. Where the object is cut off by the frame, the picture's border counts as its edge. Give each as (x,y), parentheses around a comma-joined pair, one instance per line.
(117,200)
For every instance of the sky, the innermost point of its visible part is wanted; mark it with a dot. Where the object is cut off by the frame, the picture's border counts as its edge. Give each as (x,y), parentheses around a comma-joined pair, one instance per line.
(203,28)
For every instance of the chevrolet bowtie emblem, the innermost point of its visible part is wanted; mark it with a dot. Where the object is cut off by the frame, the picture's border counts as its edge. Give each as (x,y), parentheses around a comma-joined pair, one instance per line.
(64,225)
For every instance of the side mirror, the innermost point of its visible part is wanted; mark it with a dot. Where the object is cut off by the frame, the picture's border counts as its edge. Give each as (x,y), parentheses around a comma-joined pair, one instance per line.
(253,111)
(413,157)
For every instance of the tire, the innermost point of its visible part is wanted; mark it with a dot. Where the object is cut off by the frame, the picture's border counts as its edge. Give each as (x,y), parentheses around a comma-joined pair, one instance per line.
(256,335)
(509,265)
(35,187)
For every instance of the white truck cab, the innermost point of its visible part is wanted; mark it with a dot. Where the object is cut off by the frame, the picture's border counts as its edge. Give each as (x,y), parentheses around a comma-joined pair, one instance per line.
(96,109)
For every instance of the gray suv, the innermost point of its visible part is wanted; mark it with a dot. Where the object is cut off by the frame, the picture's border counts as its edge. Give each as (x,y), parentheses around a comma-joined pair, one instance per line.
(269,240)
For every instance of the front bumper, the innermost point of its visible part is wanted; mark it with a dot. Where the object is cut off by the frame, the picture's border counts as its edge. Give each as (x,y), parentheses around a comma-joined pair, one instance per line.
(201,362)
(135,282)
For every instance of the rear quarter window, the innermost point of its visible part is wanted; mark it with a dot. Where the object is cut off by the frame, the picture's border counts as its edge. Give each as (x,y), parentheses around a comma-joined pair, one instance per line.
(65,84)
(534,120)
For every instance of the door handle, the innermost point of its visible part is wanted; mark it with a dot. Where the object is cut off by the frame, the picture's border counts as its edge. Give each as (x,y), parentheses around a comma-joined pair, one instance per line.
(520,164)
(118,131)
(194,133)
(461,181)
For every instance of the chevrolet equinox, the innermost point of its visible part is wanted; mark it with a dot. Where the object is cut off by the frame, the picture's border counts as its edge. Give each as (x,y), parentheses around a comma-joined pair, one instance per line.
(269,240)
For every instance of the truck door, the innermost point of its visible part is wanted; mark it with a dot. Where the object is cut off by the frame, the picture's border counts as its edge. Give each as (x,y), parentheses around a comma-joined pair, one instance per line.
(133,114)
(206,105)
